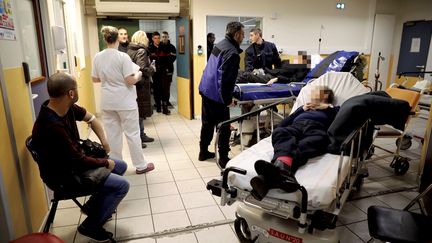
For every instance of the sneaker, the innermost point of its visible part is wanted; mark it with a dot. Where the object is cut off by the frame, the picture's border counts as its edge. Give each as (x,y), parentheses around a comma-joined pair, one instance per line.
(205,155)
(143,145)
(146,139)
(150,167)
(97,235)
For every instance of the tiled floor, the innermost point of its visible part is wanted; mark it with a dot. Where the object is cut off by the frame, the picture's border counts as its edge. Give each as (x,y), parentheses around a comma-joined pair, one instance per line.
(171,204)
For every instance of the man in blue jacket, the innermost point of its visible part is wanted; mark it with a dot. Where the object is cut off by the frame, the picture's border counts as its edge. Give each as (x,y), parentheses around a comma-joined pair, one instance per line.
(216,87)
(261,53)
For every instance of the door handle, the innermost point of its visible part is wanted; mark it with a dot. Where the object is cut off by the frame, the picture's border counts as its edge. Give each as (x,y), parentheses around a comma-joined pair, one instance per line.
(26,72)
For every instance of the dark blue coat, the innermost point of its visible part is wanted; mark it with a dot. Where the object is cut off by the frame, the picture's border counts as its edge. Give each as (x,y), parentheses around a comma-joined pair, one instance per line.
(218,80)
(262,56)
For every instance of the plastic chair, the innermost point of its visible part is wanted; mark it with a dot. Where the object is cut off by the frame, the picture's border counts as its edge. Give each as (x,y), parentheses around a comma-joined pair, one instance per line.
(38,238)
(394,225)
(399,163)
(59,194)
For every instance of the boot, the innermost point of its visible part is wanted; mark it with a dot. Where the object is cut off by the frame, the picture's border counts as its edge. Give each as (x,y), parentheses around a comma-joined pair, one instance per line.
(165,109)
(205,154)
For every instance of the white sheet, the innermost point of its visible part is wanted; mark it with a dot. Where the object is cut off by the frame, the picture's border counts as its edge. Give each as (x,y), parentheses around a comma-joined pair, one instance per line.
(318,176)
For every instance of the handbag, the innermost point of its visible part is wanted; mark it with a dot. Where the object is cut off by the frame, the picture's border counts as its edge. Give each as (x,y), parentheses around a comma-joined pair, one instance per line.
(90,179)
(93,149)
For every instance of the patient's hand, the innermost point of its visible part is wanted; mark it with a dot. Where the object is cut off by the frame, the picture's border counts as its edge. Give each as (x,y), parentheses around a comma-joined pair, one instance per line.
(313,106)
(309,106)
(272,81)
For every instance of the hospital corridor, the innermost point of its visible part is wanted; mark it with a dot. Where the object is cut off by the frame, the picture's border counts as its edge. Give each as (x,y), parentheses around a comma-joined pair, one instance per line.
(202,121)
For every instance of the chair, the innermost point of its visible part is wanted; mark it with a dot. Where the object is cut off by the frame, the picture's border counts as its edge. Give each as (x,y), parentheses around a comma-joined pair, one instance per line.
(399,163)
(394,225)
(38,238)
(59,194)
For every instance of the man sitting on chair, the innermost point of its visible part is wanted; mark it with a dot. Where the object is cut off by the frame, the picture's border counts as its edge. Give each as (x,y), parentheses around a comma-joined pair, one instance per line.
(55,139)
(299,137)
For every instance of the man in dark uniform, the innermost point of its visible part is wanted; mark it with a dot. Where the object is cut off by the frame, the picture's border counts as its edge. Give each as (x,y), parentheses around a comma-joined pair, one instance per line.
(124,39)
(170,55)
(261,53)
(160,77)
(216,87)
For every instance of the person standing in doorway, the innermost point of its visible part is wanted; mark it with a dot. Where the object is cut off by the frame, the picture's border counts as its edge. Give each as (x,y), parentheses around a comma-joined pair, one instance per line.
(160,76)
(118,74)
(124,39)
(169,57)
(216,87)
(210,43)
(261,54)
(139,54)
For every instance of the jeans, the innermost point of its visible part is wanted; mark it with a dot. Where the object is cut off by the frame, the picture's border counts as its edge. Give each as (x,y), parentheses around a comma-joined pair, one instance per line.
(141,125)
(103,203)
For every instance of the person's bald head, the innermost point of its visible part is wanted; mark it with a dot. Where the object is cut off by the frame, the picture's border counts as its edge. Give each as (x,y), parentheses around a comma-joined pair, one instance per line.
(59,84)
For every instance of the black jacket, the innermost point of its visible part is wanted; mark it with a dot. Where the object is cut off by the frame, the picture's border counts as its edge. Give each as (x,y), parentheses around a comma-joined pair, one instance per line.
(262,56)
(123,47)
(140,55)
(219,77)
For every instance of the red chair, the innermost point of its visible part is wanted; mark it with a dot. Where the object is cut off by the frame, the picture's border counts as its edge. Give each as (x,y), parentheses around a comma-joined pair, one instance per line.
(38,238)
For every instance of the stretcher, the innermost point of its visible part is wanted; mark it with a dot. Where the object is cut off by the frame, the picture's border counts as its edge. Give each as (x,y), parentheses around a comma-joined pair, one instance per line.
(265,94)
(310,213)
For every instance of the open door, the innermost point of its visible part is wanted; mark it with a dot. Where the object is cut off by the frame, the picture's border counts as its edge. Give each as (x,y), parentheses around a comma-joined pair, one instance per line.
(184,67)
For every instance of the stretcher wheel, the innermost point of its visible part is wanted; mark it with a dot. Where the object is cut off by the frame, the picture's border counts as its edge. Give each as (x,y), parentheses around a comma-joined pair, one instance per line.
(406,142)
(401,165)
(242,230)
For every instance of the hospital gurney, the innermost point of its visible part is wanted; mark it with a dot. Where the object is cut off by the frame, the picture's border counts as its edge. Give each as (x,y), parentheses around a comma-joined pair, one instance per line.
(253,96)
(310,213)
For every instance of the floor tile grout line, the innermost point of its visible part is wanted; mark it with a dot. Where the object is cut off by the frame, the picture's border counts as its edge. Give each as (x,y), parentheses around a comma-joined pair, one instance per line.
(177,231)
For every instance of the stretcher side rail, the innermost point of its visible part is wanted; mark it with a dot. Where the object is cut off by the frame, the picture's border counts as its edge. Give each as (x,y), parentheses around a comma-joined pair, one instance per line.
(244,116)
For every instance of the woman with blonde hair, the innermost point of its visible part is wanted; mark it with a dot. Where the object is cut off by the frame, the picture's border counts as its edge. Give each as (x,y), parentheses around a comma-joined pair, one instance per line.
(139,54)
(118,74)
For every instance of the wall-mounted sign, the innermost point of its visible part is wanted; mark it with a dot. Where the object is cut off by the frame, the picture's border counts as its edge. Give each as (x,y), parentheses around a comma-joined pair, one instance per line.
(7,27)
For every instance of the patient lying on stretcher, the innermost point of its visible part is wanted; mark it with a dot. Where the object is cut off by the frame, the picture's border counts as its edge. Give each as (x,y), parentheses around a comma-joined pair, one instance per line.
(299,137)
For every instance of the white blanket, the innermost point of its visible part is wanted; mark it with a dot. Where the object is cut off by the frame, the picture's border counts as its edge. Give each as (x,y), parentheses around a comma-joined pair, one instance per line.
(318,176)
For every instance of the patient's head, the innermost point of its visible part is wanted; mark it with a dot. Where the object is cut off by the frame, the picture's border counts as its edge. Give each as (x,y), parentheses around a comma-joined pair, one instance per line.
(321,94)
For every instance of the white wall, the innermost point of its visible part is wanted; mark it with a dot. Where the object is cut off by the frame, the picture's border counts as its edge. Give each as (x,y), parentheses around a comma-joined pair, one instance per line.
(11,54)
(297,23)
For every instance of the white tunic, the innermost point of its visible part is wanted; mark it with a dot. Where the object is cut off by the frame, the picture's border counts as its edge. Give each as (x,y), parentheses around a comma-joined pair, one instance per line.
(111,67)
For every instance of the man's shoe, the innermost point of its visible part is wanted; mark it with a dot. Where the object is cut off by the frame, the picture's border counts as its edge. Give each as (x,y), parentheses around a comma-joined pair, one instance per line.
(276,178)
(259,187)
(158,109)
(146,139)
(223,161)
(205,155)
(97,235)
(143,145)
(150,167)
(169,104)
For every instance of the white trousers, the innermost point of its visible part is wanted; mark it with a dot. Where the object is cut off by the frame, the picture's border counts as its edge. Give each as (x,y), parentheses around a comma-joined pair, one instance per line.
(117,122)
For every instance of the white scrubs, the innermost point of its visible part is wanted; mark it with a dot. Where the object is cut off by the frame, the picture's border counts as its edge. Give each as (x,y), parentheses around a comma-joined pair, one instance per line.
(118,103)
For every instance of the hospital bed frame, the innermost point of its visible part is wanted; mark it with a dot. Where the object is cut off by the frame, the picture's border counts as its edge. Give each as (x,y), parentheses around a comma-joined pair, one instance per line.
(399,163)
(256,114)
(287,212)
